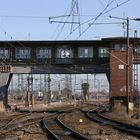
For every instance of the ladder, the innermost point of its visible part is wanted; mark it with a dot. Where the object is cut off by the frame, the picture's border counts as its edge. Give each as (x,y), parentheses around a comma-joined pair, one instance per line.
(135,76)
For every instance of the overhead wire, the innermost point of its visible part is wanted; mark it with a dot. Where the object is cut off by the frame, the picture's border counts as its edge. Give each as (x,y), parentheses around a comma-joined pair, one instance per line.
(102,4)
(3,62)
(24,16)
(11,44)
(78,14)
(48,17)
(100,1)
(117,58)
(116,2)
(104,12)
(70,70)
(89,20)
(59,33)
(99,15)
(42,17)
(136,26)
(94,20)
(57,28)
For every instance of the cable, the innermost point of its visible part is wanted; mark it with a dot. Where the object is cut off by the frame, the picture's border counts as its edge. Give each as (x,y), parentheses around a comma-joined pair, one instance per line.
(100,14)
(10,44)
(4,61)
(95,18)
(101,3)
(59,25)
(116,2)
(74,3)
(135,26)
(59,33)
(22,16)
(42,17)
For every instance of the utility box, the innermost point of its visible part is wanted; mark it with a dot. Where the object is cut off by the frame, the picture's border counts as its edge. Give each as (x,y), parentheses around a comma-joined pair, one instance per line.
(118,96)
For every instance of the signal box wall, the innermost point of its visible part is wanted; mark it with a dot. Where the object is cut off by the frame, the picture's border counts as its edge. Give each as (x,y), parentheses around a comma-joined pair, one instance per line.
(118,97)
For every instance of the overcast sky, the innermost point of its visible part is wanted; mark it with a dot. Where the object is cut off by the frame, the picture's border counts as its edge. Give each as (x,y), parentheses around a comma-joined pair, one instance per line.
(35,25)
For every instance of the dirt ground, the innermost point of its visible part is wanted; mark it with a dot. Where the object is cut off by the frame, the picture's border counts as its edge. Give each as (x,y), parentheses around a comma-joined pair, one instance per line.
(123,117)
(75,120)
(92,129)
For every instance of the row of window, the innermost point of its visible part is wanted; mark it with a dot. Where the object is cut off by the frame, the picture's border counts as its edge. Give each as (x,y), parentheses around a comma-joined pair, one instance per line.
(45,52)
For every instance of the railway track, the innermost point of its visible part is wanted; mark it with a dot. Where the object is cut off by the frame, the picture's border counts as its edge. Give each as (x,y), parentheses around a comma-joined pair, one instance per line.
(12,119)
(97,116)
(57,130)
(18,123)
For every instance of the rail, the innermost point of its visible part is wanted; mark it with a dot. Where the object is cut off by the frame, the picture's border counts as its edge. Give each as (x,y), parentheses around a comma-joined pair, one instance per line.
(97,116)
(57,130)
(72,132)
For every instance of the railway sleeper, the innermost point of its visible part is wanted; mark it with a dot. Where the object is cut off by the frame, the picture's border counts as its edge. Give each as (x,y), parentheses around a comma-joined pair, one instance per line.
(123,127)
(70,131)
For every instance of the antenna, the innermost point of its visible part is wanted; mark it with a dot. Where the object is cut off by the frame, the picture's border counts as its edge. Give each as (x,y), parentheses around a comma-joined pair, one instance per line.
(74,12)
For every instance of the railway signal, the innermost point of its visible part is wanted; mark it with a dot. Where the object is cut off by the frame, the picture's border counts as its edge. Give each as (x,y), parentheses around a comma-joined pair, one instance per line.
(85,87)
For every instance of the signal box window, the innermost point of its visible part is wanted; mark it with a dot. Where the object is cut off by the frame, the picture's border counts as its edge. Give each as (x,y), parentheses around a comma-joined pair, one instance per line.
(85,52)
(124,46)
(23,53)
(103,52)
(137,50)
(4,53)
(65,52)
(43,53)
(117,47)
(120,47)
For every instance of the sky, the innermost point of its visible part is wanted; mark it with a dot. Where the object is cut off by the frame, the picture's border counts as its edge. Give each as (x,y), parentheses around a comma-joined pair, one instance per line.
(29,19)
